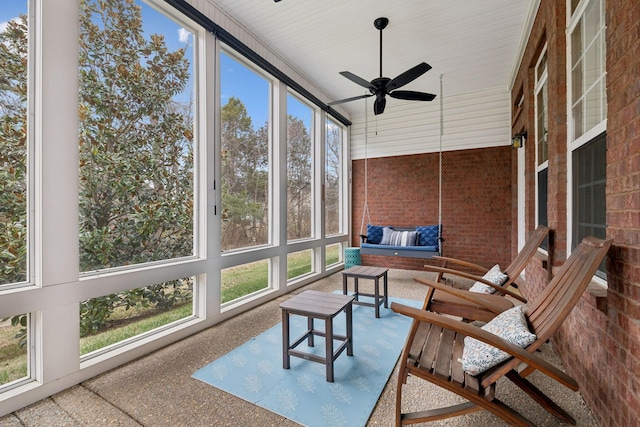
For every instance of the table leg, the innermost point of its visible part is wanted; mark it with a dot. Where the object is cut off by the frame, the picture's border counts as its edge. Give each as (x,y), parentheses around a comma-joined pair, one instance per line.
(344,284)
(355,288)
(285,340)
(310,328)
(349,315)
(385,290)
(376,296)
(328,359)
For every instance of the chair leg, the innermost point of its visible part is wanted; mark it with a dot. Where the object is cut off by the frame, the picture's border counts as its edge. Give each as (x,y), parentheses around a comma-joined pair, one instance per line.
(541,398)
(402,378)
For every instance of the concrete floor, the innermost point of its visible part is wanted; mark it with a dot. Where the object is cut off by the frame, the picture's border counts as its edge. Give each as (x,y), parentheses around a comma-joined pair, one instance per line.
(158,390)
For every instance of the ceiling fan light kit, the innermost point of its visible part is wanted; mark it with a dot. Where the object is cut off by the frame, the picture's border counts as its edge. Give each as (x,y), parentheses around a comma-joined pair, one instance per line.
(381,86)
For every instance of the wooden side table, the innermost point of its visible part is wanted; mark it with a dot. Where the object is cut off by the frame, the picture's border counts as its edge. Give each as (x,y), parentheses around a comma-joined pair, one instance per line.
(373,273)
(323,306)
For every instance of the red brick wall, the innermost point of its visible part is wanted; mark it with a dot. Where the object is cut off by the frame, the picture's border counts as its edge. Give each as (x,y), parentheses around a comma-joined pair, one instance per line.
(476,202)
(600,341)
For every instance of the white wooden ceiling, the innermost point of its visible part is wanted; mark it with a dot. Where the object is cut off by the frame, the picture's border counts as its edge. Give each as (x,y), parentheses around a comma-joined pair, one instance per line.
(474,44)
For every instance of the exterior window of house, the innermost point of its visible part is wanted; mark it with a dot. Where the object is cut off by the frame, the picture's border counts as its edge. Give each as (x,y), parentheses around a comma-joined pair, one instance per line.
(300,146)
(15,153)
(587,123)
(541,139)
(245,118)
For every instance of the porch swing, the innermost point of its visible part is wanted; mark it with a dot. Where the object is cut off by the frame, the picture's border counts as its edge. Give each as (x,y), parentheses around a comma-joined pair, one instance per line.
(405,242)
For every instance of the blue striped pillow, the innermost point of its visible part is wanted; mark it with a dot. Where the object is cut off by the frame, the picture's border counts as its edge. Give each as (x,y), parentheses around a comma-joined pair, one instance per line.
(398,238)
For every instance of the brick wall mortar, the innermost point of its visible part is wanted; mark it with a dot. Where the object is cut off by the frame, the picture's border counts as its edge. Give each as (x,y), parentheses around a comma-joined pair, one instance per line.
(476,202)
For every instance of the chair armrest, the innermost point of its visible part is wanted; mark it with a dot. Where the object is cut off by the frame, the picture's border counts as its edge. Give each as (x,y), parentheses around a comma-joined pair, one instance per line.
(486,301)
(446,261)
(500,289)
(480,334)
(363,238)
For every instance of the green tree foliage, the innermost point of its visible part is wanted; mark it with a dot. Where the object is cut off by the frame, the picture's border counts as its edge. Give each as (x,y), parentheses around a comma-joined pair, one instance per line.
(13,153)
(136,157)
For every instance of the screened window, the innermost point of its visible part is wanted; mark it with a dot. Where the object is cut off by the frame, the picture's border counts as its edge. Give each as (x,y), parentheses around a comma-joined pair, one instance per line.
(245,118)
(14,59)
(137,201)
(14,169)
(333,178)
(136,136)
(300,139)
(117,318)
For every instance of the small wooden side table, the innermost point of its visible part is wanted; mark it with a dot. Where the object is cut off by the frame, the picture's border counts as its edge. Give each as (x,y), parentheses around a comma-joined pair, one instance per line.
(317,305)
(373,273)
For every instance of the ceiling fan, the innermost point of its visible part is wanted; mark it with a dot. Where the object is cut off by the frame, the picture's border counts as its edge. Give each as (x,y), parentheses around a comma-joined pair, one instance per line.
(382,86)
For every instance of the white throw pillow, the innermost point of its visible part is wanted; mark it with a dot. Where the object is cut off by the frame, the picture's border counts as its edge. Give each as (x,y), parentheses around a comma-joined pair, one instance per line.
(511,325)
(494,275)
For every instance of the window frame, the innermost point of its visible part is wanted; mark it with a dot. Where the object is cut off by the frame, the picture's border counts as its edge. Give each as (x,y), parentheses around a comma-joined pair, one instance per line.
(574,23)
(540,86)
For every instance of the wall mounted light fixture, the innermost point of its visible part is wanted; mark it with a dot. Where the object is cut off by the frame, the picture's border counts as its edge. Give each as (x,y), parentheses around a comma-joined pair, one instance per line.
(518,140)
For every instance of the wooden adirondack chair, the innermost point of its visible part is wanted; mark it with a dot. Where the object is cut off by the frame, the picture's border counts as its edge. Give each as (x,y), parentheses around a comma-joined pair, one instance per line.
(435,345)
(447,303)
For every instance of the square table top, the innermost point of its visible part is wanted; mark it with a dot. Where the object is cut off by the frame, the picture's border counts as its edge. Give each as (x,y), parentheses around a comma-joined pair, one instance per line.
(316,303)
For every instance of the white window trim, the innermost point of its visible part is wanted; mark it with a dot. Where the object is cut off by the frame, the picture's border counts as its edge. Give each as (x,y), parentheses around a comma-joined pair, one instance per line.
(587,136)
(539,84)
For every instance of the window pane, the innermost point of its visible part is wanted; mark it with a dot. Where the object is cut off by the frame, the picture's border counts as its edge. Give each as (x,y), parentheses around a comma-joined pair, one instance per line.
(136,136)
(333,179)
(245,155)
(542,202)
(589,198)
(13,141)
(243,280)
(299,169)
(332,254)
(114,318)
(588,78)
(14,349)
(299,264)
(542,125)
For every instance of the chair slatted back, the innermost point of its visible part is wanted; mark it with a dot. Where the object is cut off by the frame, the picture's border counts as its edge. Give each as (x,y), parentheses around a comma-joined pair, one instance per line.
(519,263)
(551,307)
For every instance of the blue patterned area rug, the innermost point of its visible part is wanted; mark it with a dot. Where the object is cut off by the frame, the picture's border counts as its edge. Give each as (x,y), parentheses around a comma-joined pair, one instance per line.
(254,370)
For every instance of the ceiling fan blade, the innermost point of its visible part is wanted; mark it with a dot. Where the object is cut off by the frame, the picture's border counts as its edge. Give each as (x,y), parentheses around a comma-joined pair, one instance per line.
(358,80)
(412,95)
(349,99)
(408,76)
(378,106)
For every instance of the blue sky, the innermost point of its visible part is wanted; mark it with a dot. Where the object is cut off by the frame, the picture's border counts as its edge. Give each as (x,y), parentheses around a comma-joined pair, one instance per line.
(238,80)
